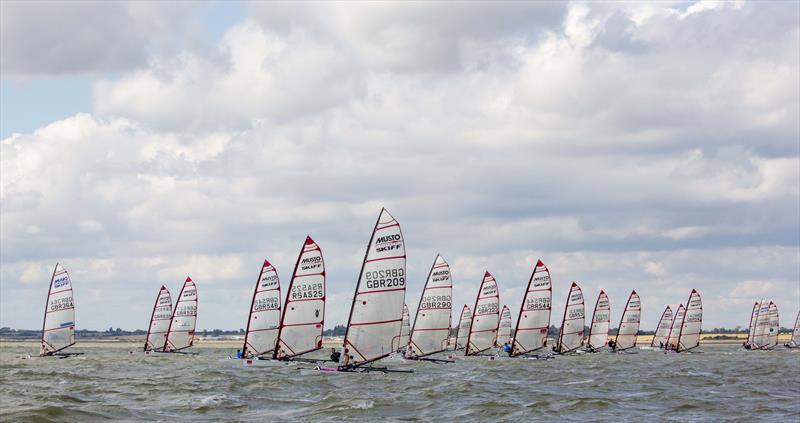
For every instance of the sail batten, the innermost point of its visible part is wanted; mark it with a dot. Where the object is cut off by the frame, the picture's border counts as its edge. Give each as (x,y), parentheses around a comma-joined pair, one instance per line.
(628,329)
(431,330)
(570,338)
(533,321)
(58,325)
(485,317)
(303,318)
(159,321)
(376,313)
(601,322)
(180,333)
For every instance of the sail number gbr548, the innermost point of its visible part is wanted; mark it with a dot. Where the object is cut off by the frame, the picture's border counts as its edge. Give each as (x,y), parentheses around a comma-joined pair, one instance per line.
(385,278)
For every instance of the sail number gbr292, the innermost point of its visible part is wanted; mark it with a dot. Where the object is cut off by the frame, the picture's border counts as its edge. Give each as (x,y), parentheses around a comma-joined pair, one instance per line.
(385,278)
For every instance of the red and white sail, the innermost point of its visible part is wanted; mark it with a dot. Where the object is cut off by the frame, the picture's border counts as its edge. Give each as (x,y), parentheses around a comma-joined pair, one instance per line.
(180,333)
(464,324)
(401,342)
(377,311)
(760,338)
(662,331)
(303,317)
(159,321)
(431,331)
(674,330)
(571,336)
(774,325)
(629,324)
(689,336)
(751,332)
(504,330)
(265,313)
(601,322)
(485,318)
(533,322)
(795,341)
(58,327)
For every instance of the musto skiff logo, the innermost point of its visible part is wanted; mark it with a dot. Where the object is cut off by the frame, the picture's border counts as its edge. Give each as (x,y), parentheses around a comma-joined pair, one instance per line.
(388,243)
(62,281)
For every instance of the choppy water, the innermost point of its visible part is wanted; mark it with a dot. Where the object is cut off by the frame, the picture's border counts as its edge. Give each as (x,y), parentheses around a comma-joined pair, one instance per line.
(722,384)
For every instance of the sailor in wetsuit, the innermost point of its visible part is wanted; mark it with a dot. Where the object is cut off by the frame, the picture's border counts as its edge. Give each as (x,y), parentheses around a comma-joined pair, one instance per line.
(239,354)
(612,344)
(507,348)
(335,355)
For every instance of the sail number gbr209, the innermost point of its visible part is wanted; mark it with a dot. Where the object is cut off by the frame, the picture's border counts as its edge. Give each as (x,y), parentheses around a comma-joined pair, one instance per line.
(388,278)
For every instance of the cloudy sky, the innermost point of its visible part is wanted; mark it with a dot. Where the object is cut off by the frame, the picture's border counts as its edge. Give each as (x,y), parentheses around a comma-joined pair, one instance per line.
(649,146)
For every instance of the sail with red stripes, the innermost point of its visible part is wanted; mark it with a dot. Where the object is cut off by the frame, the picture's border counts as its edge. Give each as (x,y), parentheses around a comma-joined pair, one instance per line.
(601,322)
(570,338)
(431,330)
(774,325)
(662,331)
(376,314)
(265,313)
(629,324)
(464,323)
(180,333)
(401,343)
(504,330)
(762,326)
(159,321)
(751,331)
(691,328)
(485,318)
(303,317)
(674,330)
(533,322)
(58,327)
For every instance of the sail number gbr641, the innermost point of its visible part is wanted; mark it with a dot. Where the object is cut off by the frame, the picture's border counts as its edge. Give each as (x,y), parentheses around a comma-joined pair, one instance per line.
(385,278)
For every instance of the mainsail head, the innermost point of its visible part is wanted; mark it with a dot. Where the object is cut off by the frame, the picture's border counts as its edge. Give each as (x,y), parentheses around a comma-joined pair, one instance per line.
(180,333)
(159,321)
(58,327)
(431,330)
(533,322)
(485,318)
(265,313)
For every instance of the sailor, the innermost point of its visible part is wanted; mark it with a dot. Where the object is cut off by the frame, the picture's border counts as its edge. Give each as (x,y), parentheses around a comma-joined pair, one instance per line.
(661,344)
(612,344)
(335,355)
(239,354)
(345,360)
(507,348)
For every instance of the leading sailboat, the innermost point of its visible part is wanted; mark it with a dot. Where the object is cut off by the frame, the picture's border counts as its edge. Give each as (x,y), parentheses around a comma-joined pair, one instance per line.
(58,327)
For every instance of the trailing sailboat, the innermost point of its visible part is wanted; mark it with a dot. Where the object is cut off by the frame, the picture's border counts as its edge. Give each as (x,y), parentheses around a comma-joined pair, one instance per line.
(662,331)
(689,335)
(751,331)
(464,324)
(760,337)
(795,341)
(628,329)
(533,321)
(376,314)
(674,330)
(774,326)
(601,322)
(570,338)
(265,314)
(180,333)
(504,330)
(401,342)
(486,317)
(431,330)
(58,326)
(159,321)
(303,318)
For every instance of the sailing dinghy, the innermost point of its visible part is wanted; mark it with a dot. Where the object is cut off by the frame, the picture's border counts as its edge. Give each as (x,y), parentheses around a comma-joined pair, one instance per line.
(533,322)
(677,322)
(690,329)
(58,327)
(751,331)
(760,337)
(159,321)
(570,338)
(504,330)
(486,317)
(774,326)
(265,314)
(464,324)
(601,322)
(180,333)
(795,341)
(376,314)
(430,333)
(400,342)
(662,331)
(628,329)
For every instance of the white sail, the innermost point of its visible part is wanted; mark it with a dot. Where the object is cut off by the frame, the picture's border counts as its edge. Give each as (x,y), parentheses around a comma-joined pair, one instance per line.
(265,313)
(401,342)
(795,342)
(58,327)
(180,334)
(485,318)
(533,322)
(629,324)
(662,331)
(431,330)
(762,326)
(377,310)
(751,331)
(692,323)
(464,324)
(570,337)
(774,325)
(303,317)
(601,322)
(504,330)
(159,321)
(674,330)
